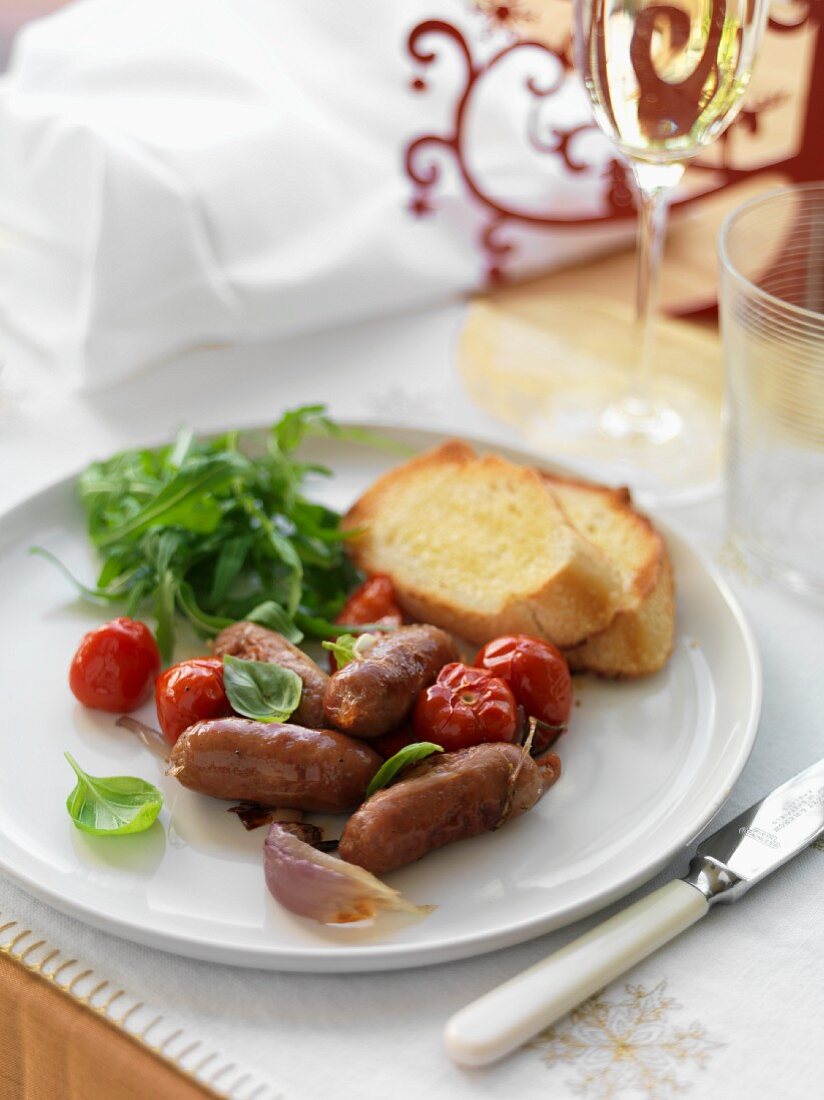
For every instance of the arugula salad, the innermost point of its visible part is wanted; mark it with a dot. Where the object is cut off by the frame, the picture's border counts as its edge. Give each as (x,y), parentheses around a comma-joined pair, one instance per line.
(220,530)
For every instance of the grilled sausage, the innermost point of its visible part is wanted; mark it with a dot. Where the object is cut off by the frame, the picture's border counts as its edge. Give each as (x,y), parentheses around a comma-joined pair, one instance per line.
(251,642)
(274,764)
(442,799)
(372,695)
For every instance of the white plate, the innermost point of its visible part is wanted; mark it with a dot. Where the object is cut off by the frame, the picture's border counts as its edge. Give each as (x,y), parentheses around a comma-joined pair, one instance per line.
(646,765)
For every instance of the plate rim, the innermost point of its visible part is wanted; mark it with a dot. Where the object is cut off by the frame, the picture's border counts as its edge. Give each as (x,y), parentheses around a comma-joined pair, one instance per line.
(392,956)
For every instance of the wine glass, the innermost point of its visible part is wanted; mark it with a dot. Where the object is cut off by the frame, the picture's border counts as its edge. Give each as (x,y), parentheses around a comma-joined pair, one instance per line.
(665,78)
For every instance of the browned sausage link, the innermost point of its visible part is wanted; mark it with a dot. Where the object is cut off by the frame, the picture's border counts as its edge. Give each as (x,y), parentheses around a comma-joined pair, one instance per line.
(442,799)
(274,764)
(373,695)
(251,642)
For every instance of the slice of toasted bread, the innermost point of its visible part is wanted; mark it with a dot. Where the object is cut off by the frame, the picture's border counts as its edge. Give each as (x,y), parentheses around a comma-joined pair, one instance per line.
(478,546)
(639,640)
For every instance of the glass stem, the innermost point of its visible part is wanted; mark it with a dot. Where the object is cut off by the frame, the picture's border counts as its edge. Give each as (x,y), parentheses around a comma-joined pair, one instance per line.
(655,183)
(640,414)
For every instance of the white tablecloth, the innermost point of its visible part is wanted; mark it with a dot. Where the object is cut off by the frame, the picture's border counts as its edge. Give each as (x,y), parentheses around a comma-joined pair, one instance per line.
(730,1010)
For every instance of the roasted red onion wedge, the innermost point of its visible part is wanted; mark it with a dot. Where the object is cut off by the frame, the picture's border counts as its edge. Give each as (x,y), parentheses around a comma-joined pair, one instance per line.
(153,739)
(316,885)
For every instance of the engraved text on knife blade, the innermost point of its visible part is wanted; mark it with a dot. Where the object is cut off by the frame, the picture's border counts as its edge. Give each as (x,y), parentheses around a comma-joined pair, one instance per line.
(774,830)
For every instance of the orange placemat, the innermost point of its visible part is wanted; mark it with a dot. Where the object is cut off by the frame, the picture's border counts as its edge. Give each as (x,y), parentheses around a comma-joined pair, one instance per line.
(69,1034)
(54,1047)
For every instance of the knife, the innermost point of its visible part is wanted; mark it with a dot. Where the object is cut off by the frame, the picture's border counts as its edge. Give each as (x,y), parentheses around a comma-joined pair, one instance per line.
(726,865)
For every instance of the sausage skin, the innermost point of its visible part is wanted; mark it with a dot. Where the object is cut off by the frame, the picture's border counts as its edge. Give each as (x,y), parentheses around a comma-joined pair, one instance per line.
(251,642)
(443,799)
(373,695)
(274,764)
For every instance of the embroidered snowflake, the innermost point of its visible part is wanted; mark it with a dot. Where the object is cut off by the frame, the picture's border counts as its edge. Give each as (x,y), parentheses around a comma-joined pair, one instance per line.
(633,1043)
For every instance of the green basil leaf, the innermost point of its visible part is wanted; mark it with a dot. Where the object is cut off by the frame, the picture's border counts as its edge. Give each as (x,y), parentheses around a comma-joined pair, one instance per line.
(261,689)
(409,754)
(114,805)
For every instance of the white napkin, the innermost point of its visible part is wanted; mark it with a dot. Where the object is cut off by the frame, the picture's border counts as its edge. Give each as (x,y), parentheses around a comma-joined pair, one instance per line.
(183,172)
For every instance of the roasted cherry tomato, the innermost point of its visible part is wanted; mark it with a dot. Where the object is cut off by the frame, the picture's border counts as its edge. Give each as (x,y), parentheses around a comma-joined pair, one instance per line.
(536,671)
(115,666)
(372,602)
(465,706)
(190,692)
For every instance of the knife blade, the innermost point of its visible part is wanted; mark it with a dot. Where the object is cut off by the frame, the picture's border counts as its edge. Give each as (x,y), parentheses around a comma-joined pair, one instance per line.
(761,839)
(726,864)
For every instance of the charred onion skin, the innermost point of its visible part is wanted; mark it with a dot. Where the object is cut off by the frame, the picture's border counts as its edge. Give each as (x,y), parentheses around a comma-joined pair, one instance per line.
(274,764)
(251,642)
(373,695)
(313,884)
(444,799)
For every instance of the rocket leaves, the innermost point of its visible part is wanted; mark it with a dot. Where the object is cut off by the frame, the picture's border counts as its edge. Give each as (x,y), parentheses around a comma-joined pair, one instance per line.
(218,530)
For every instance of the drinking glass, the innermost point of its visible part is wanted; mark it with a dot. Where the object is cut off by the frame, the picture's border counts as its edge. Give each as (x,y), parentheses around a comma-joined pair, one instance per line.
(771,257)
(664,79)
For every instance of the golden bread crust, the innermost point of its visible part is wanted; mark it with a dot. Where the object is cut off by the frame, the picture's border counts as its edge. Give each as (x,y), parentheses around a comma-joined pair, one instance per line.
(638,642)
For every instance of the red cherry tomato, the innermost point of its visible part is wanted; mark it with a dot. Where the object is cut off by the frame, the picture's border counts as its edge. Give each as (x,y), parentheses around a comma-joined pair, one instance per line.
(372,602)
(190,692)
(536,671)
(115,666)
(465,706)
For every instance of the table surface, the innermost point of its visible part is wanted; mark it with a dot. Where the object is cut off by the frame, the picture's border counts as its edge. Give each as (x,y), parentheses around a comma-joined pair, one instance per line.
(730,1009)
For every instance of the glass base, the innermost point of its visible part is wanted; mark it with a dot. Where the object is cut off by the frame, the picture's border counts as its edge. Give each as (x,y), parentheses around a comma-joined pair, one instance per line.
(557,369)
(667,451)
(775,510)
(635,418)
(798,579)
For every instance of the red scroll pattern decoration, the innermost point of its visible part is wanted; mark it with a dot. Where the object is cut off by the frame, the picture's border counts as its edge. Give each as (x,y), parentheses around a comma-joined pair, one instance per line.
(425,155)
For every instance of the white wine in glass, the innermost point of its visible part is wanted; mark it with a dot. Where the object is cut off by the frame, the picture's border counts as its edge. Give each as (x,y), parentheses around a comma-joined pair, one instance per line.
(665,79)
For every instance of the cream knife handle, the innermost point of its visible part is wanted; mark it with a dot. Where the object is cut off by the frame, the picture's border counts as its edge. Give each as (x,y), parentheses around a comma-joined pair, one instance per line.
(506,1017)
